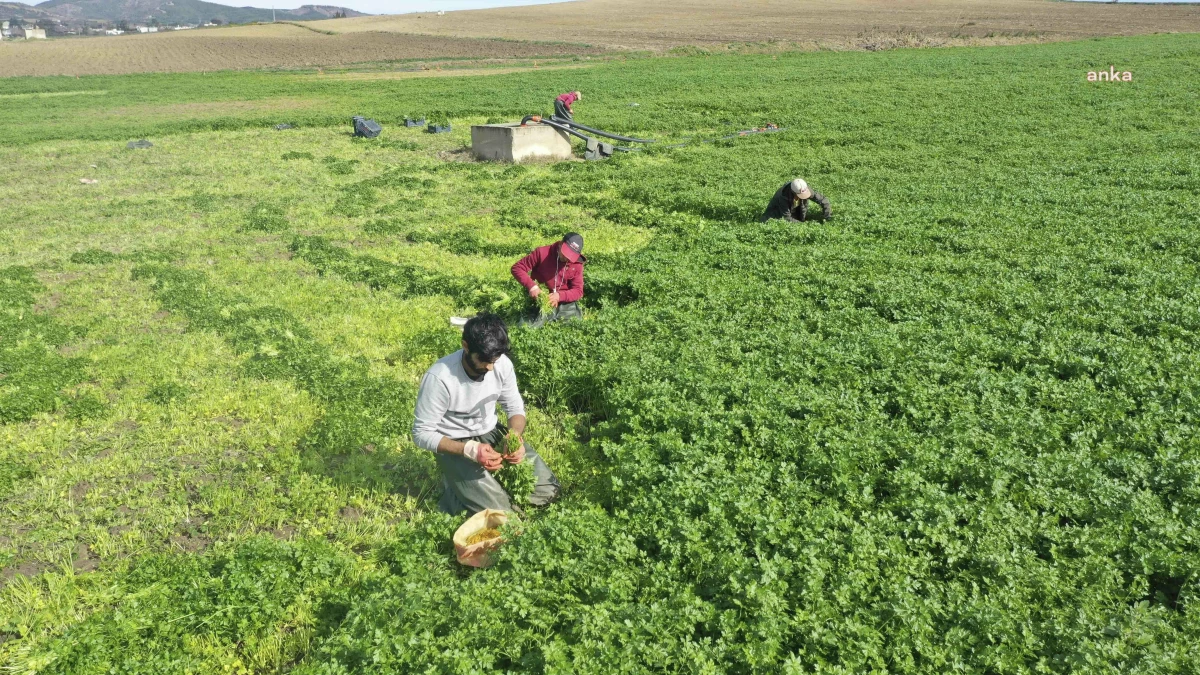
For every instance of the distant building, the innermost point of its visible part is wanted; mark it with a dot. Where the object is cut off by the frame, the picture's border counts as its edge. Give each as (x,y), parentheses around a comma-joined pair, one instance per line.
(3,30)
(25,33)
(147,29)
(114,31)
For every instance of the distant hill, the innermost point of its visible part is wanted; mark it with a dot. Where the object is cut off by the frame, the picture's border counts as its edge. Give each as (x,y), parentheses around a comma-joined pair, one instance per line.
(165,11)
(18,10)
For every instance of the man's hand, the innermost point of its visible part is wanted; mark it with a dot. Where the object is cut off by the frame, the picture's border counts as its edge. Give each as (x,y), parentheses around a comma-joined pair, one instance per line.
(518,455)
(483,454)
(554,299)
(489,458)
(535,291)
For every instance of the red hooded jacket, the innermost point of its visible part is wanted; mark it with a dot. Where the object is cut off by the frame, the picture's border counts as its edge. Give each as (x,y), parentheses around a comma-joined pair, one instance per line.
(568,99)
(543,266)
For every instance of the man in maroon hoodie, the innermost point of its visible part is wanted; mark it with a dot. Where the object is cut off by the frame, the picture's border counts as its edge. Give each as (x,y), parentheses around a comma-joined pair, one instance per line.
(562,104)
(560,267)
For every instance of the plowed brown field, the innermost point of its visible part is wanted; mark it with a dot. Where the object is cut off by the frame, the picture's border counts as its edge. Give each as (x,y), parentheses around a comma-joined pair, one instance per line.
(244,47)
(642,24)
(566,28)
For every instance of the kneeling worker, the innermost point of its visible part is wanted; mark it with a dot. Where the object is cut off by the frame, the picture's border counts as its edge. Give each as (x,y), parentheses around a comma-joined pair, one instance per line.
(562,104)
(456,420)
(791,203)
(560,267)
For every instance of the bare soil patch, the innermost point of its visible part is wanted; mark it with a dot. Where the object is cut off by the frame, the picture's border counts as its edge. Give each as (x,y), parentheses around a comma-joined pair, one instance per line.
(84,562)
(27,569)
(189,543)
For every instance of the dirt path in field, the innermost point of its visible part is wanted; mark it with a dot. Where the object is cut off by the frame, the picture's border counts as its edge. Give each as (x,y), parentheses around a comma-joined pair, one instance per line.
(638,24)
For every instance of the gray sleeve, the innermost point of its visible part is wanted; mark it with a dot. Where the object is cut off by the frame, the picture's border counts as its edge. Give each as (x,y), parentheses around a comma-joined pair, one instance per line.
(510,397)
(824,202)
(432,402)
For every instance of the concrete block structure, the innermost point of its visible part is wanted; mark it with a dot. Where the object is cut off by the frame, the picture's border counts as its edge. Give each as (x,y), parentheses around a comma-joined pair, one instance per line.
(24,33)
(516,143)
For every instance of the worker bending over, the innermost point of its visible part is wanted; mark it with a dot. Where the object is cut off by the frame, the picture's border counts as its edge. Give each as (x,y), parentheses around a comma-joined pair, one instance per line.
(791,203)
(560,267)
(456,420)
(562,104)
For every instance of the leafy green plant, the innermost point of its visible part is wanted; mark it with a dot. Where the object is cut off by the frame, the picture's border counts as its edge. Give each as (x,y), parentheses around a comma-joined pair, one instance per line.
(543,302)
(204,201)
(356,200)
(518,481)
(267,217)
(87,406)
(339,167)
(399,144)
(166,392)
(94,256)
(34,372)
(386,227)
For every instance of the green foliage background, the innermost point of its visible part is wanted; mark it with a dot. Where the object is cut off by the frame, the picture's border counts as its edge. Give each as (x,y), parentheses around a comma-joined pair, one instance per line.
(953,430)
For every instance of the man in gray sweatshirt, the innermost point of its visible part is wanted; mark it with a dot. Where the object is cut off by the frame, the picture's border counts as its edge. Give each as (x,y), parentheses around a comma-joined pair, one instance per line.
(456,420)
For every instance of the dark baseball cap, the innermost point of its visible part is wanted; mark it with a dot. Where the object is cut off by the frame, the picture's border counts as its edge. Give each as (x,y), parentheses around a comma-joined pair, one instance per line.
(572,246)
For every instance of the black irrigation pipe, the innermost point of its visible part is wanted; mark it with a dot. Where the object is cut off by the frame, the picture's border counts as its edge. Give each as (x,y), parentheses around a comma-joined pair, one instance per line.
(566,126)
(590,130)
(566,129)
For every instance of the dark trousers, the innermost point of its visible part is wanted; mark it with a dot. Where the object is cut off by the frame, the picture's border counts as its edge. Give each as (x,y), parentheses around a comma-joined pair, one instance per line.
(561,110)
(468,487)
(564,312)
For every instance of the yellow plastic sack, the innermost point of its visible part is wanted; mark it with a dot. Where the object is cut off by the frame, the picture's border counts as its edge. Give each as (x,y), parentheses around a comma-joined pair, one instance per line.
(478,554)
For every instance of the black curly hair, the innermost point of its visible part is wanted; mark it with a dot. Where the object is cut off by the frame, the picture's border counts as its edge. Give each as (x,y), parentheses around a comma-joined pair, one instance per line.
(486,336)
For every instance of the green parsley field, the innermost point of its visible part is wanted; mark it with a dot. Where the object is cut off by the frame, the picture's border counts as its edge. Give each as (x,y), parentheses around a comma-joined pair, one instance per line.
(954,430)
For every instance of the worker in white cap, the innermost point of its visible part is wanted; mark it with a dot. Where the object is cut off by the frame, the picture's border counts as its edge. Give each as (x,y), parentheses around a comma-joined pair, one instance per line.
(562,104)
(791,202)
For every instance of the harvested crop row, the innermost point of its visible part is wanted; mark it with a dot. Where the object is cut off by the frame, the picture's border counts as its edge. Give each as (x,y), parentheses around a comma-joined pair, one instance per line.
(361,409)
(403,279)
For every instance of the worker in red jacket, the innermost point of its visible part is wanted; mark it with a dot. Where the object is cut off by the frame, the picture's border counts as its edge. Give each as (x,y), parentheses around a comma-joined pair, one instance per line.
(560,267)
(562,104)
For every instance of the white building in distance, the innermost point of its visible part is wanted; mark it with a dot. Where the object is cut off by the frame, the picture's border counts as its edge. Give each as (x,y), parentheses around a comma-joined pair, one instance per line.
(24,33)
